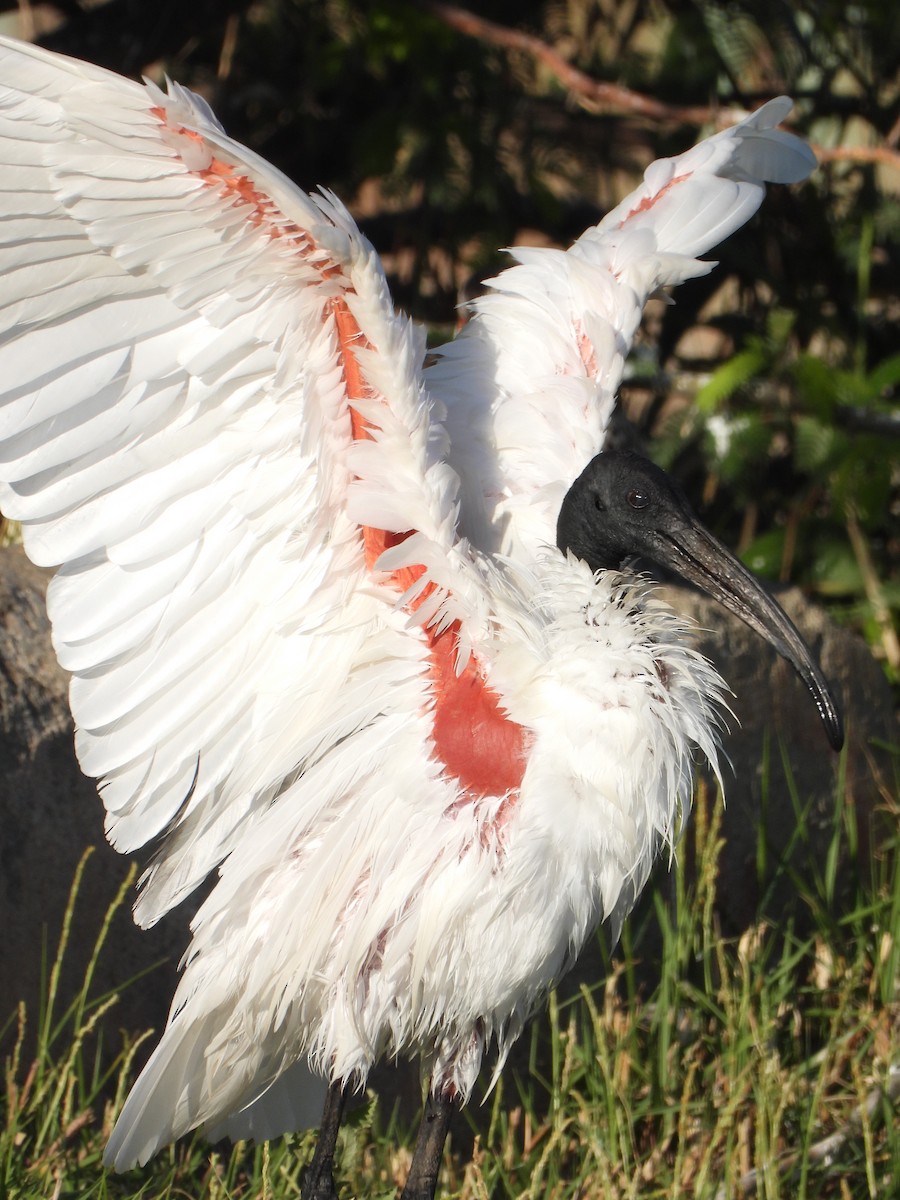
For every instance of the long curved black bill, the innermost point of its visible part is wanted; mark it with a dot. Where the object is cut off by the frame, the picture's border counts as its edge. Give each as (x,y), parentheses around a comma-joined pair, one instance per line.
(694,553)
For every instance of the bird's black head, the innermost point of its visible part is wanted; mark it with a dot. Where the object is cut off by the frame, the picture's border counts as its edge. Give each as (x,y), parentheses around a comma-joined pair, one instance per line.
(622,506)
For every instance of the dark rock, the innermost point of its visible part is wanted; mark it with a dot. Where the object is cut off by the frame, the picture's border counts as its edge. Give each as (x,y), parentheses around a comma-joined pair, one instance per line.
(49,814)
(784,784)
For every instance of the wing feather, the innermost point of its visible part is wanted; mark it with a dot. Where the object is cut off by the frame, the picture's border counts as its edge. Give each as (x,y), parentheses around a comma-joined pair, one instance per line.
(218,428)
(185,336)
(530,383)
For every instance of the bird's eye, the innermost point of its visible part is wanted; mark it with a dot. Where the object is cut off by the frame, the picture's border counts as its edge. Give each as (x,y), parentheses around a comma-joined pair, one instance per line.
(637,499)
(598,503)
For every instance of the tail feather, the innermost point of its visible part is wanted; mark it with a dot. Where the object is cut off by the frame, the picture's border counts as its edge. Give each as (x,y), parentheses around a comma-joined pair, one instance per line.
(294,1101)
(184,1086)
(160,1105)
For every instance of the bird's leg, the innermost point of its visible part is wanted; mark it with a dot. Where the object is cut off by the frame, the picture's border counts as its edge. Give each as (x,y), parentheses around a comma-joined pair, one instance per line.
(318,1180)
(422,1179)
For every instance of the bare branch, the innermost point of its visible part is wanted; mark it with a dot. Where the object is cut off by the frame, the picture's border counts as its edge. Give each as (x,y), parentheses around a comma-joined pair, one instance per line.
(591,93)
(597,96)
(860,154)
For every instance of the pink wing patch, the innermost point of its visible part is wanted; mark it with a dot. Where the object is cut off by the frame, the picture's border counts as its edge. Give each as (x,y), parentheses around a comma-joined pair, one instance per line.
(478,744)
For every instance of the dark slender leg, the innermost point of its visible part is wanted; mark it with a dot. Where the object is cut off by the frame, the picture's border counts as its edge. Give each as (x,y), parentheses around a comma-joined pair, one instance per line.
(318,1180)
(422,1178)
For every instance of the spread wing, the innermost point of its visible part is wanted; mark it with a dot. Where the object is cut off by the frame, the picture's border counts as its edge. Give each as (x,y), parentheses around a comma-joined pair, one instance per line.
(215,425)
(530,382)
(213,422)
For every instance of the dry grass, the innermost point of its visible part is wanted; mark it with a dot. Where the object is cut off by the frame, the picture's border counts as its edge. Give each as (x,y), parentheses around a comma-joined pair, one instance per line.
(765,1066)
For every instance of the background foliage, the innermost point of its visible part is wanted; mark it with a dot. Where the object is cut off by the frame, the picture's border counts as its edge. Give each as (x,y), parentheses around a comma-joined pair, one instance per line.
(770,388)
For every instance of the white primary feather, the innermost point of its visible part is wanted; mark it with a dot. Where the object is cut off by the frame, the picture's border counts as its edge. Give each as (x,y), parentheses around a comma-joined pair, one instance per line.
(187,342)
(530,382)
(181,446)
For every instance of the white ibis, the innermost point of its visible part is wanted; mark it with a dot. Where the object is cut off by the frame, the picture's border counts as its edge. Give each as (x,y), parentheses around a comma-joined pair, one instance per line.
(323,638)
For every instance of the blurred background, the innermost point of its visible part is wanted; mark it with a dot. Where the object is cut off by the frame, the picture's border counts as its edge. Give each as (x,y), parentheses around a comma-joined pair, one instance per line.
(751,1013)
(770,387)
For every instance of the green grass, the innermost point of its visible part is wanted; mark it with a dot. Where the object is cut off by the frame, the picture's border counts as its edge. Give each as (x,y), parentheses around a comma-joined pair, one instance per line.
(767,1065)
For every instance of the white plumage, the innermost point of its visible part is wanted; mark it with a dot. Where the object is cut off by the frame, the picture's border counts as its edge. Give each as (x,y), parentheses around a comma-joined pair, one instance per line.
(290,555)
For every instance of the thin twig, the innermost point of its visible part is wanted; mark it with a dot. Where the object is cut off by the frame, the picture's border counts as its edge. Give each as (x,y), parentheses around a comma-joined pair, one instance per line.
(592,93)
(883,155)
(229,45)
(874,591)
(596,95)
(867,420)
(27,25)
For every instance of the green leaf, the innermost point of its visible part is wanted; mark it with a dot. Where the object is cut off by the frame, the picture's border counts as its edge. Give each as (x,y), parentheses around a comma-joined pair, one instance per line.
(835,571)
(814,445)
(779,323)
(817,384)
(862,479)
(764,554)
(884,377)
(738,444)
(725,381)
